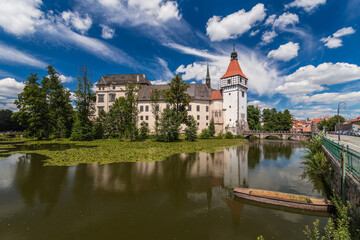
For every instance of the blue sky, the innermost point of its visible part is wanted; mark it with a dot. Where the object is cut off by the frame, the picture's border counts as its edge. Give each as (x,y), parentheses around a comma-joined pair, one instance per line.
(301,55)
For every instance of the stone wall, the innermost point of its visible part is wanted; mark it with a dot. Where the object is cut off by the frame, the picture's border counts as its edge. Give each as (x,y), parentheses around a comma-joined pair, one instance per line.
(352,182)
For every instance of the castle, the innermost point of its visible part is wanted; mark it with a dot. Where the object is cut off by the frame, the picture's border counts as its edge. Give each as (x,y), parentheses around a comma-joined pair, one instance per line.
(227,106)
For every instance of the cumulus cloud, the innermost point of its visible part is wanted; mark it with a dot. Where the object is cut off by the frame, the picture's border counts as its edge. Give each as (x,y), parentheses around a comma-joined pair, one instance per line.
(235,24)
(332,97)
(309,79)
(66,79)
(307,5)
(9,54)
(107,32)
(9,87)
(285,52)
(253,33)
(335,41)
(21,16)
(260,104)
(268,37)
(74,20)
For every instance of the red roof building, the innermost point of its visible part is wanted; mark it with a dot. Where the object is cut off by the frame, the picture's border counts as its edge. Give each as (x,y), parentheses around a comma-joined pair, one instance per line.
(216,95)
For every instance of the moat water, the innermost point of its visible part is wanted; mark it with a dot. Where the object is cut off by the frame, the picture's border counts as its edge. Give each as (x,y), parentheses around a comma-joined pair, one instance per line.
(188,196)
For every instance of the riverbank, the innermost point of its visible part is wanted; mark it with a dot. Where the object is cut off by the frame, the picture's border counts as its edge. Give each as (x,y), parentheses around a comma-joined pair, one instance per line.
(64,152)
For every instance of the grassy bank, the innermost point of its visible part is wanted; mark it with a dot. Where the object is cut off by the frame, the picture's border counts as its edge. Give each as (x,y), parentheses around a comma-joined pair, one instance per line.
(66,153)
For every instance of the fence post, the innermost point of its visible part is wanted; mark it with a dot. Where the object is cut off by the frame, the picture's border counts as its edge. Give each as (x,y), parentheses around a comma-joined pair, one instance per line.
(343,183)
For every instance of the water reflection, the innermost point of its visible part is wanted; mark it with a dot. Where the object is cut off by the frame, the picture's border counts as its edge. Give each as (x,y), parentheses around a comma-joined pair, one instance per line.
(190,194)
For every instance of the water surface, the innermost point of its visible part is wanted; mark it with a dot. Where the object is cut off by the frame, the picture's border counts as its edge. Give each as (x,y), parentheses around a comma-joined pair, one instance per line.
(188,196)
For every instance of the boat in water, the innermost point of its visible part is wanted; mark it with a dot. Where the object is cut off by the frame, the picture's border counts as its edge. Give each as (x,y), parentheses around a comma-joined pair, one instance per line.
(284,199)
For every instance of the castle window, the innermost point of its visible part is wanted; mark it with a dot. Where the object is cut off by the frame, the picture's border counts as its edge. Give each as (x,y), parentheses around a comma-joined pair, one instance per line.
(198,117)
(146,117)
(207,117)
(219,113)
(216,113)
(229,81)
(243,94)
(207,108)
(113,87)
(207,124)
(101,98)
(198,108)
(229,93)
(230,120)
(112,97)
(141,118)
(146,108)
(230,106)
(100,109)
(141,108)
(189,108)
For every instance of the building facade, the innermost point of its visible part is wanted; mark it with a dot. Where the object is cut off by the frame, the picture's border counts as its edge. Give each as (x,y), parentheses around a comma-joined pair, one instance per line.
(227,106)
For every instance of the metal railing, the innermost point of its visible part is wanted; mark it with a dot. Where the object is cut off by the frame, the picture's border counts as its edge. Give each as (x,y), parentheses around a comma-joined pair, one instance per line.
(352,158)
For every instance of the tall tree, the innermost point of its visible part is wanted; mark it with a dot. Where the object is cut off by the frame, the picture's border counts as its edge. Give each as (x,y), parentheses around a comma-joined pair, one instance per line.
(211,128)
(33,109)
(61,113)
(82,129)
(7,122)
(155,109)
(287,120)
(253,118)
(177,97)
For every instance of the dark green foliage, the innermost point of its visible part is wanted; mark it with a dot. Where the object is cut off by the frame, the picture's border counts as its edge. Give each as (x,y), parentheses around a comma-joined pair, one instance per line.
(212,128)
(177,97)
(144,130)
(99,125)
(33,109)
(155,109)
(253,118)
(169,125)
(82,129)
(229,135)
(60,110)
(7,122)
(205,134)
(220,135)
(191,129)
(253,137)
(239,136)
(331,123)
(276,121)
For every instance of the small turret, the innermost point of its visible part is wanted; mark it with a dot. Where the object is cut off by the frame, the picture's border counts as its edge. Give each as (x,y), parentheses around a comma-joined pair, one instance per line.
(234,55)
(208,80)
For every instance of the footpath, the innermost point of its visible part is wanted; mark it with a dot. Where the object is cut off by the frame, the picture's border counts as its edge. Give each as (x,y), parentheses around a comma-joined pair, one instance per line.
(353,142)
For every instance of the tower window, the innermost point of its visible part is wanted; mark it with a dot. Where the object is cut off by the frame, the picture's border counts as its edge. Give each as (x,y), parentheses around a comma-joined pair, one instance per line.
(216,113)
(219,113)
(198,117)
(207,117)
(230,106)
(230,120)
(229,93)
(113,87)
(243,94)
(229,81)
(198,108)
(207,108)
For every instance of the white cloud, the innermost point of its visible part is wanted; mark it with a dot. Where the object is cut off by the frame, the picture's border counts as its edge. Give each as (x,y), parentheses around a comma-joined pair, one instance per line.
(20,17)
(268,37)
(283,20)
(257,103)
(66,79)
(309,79)
(76,21)
(107,32)
(307,5)
(166,72)
(235,24)
(285,52)
(253,33)
(263,79)
(335,41)
(12,55)
(9,87)
(332,97)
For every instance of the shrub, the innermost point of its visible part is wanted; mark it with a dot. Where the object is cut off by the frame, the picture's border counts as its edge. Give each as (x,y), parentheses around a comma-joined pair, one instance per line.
(144,130)
(239,136)
(220,135)
(229,135)
(191,129)
(82,131)
(205,134)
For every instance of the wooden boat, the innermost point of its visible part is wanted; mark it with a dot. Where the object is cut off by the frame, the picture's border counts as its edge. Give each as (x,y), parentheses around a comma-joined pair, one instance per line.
(284,199)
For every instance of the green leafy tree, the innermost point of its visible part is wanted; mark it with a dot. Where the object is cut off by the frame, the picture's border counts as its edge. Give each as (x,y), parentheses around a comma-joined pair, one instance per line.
(144,130)
(7,122)
(229,135)
(276,121)
(191,129)
(211,128)
(60,110)
(82,129)
(205,134)
(169,125)
(131,111)
(99,125)
(177,97)
(155,109)
(253,118)
(33,109)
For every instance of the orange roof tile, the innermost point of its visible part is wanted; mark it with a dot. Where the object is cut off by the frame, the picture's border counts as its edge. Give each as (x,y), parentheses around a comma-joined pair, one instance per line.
(216,95)
(233,70)
(355,119)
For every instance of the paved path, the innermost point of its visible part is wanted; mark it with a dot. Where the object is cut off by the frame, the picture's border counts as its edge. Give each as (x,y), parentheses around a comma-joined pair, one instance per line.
(353,142)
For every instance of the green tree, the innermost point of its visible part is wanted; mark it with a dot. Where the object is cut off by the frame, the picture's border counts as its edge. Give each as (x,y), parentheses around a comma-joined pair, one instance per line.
(155,109)
(253,118)
(131,111)
(191,129)
(82,129)
(287,120)
(144,130)
(60,110)
(33,110)
(169,125)
(177,97)
(205,134)
(99,125)
(331,123)
(7,122)
(211,128)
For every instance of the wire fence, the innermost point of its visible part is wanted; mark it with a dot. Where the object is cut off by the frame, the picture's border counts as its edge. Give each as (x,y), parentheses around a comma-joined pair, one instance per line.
(351,157)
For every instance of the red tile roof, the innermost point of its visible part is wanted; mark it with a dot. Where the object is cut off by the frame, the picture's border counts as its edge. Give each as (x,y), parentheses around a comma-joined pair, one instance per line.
(233,70)
(355,119)
(216,95)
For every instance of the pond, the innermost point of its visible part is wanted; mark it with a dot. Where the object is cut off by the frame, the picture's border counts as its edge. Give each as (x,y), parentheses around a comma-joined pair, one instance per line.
(188,196)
